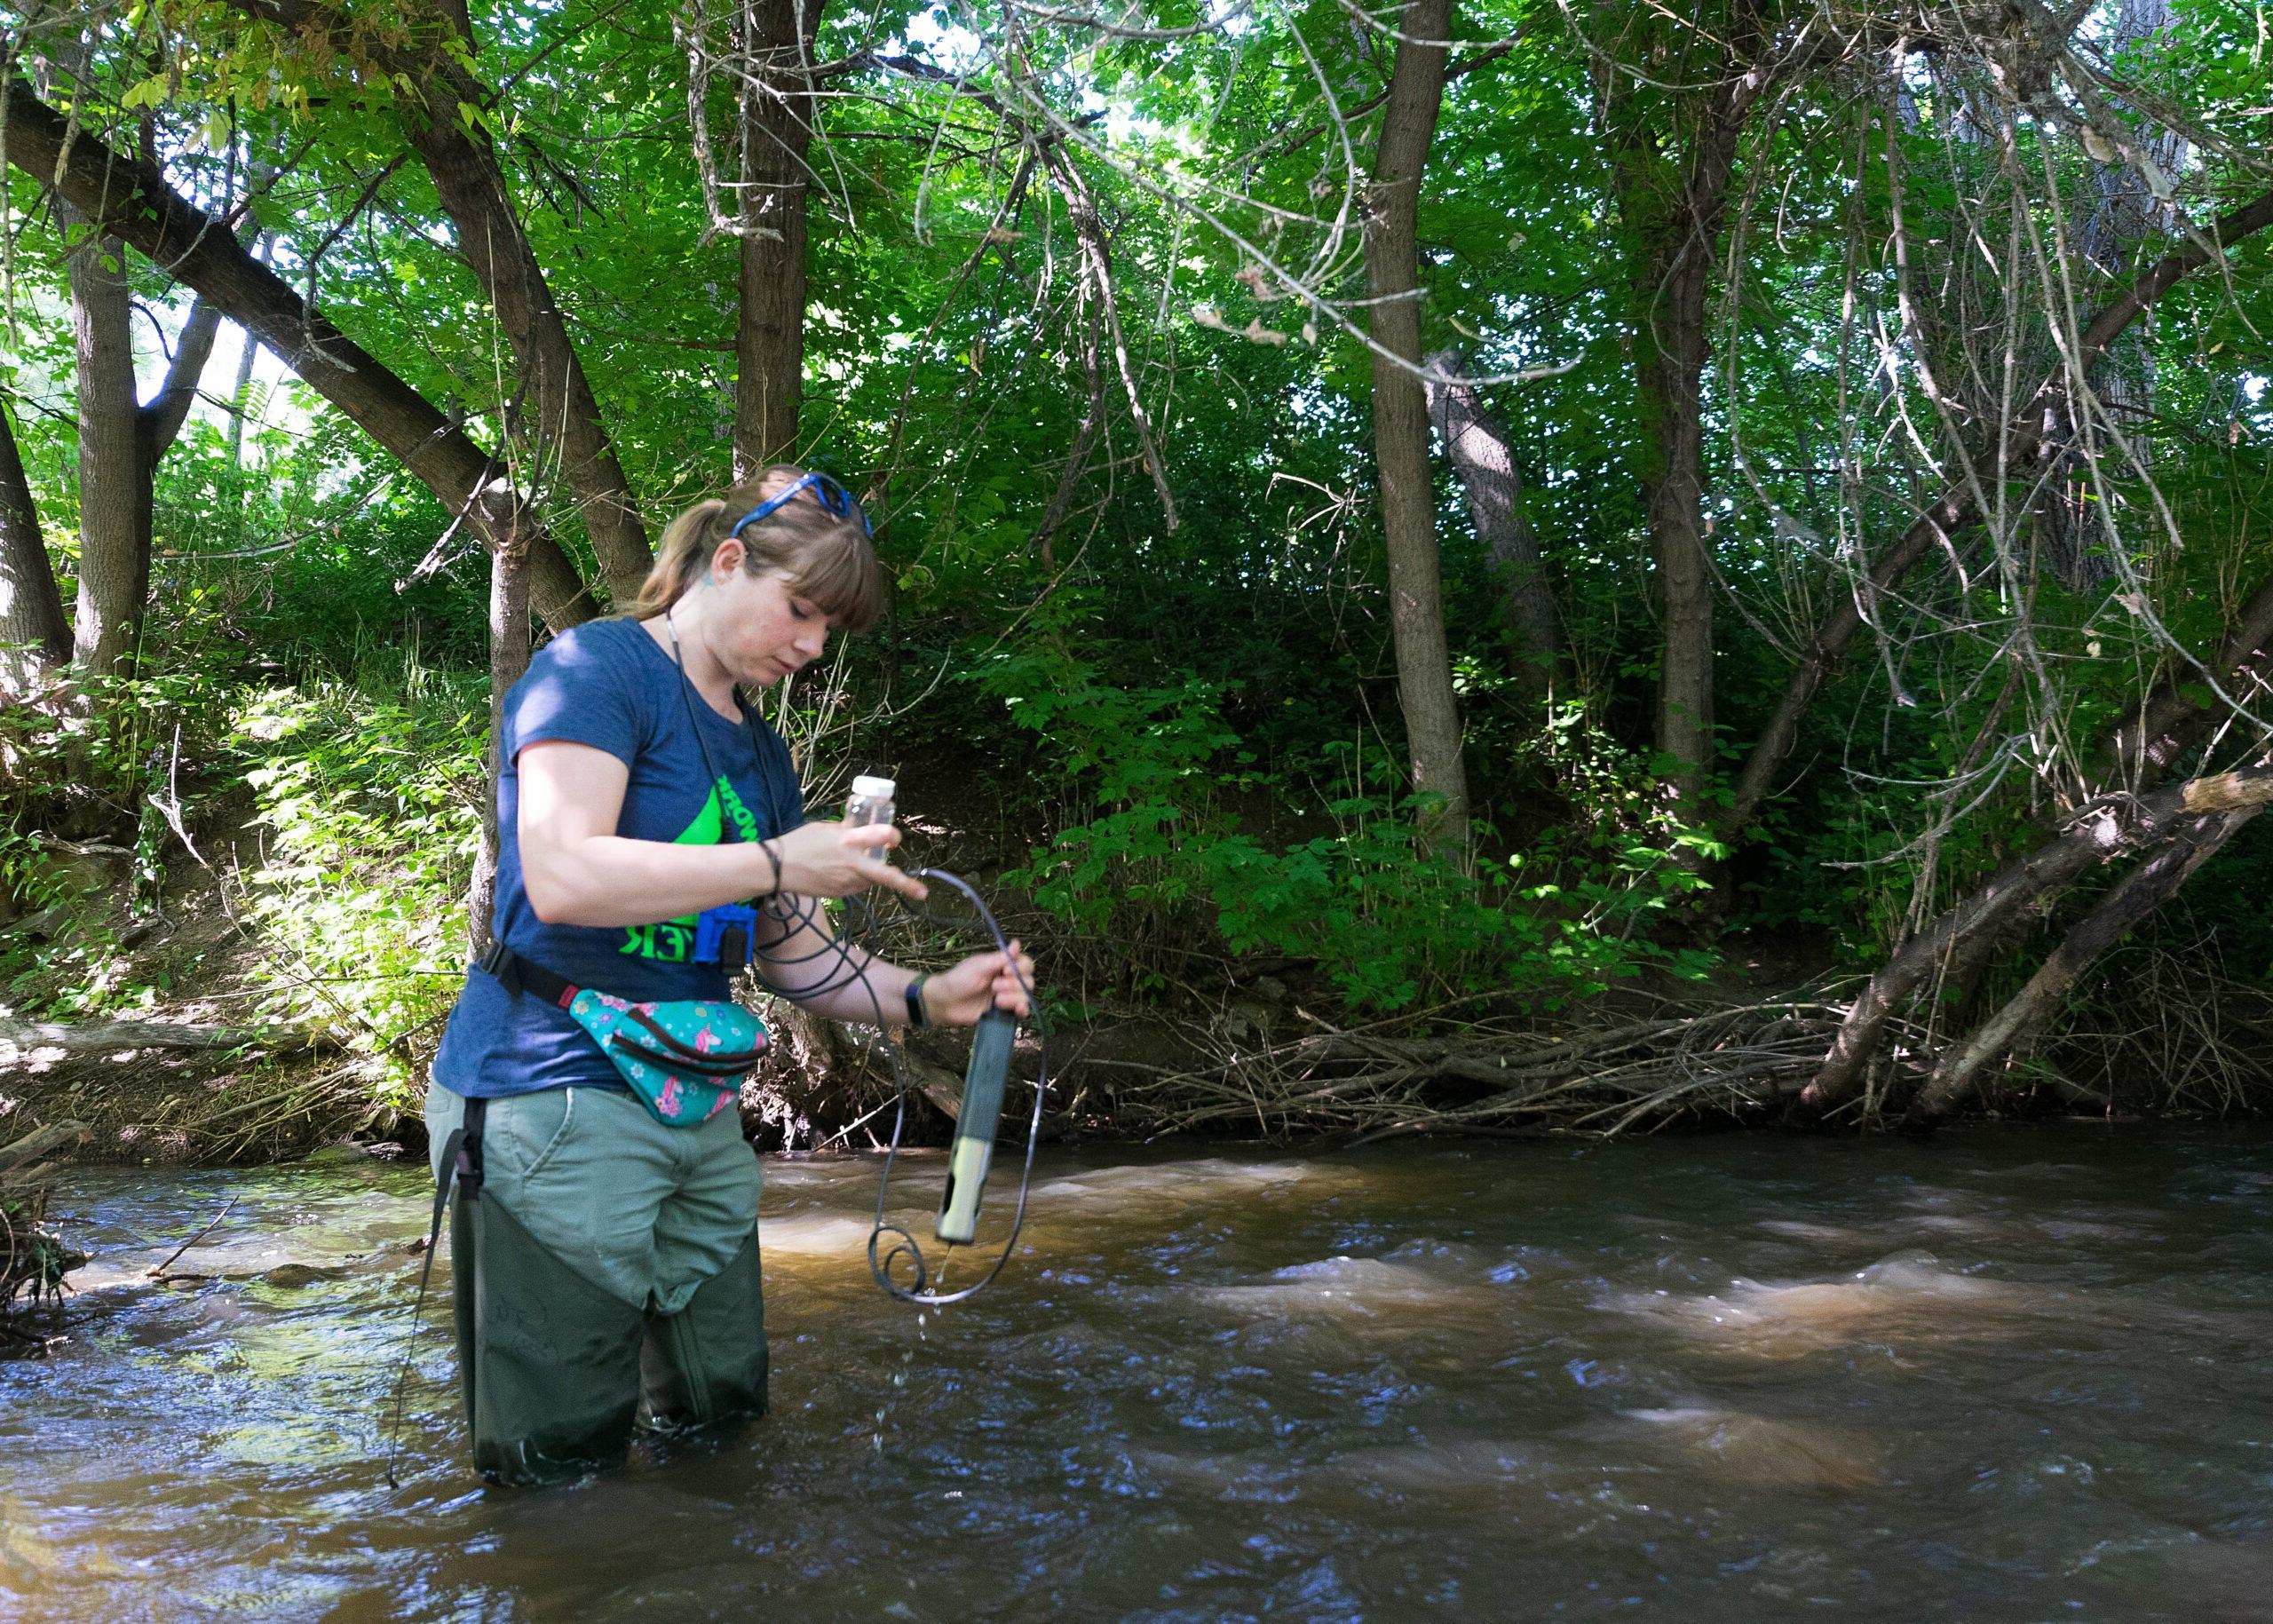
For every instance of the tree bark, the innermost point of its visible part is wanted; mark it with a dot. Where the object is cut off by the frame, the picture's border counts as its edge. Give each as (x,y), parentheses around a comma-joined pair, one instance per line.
(561,411)
(2173,720)
(1669,367)
(1424,682)
(1955,509)
(2137,895)
(1672,154)
(134,201)
(1088,221)
(509,659)
(241,401)
(1479,447)
(113,562)
(1085,438)
(32,628)
(121,444)
(158,424)
(777,114)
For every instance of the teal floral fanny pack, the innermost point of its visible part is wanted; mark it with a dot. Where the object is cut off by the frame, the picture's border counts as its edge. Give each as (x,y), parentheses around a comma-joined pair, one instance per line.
(684,1060)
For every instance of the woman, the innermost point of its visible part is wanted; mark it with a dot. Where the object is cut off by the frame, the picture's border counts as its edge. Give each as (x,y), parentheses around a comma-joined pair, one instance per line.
(607,1259)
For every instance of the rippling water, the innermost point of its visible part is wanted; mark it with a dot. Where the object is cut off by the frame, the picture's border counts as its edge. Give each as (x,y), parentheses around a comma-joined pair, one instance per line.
(2009,1375)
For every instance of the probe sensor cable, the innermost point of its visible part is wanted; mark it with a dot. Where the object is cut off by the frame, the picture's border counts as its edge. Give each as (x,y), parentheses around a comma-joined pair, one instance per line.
(898,1264)
(904,1248)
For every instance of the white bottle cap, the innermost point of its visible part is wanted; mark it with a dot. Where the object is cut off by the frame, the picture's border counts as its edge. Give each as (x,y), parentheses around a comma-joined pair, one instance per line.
(879,789)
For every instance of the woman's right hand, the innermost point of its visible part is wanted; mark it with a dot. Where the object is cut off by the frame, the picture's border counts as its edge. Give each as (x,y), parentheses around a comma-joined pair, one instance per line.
(841,859)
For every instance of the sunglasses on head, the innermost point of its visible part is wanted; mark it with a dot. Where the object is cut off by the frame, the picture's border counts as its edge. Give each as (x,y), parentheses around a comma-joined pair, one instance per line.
(832,496)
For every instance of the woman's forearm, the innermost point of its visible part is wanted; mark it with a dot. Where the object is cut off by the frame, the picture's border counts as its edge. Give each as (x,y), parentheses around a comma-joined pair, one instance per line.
(607,880)
(877,995)
(835,978)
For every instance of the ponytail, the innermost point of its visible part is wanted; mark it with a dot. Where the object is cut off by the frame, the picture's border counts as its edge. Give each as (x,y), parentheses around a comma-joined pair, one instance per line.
(682,555)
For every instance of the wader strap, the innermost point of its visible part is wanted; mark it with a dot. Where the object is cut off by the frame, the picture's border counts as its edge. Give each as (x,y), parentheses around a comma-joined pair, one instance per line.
(461,1161)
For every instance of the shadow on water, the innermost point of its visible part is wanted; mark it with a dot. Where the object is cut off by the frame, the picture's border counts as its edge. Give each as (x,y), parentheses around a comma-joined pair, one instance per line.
(2008,1375)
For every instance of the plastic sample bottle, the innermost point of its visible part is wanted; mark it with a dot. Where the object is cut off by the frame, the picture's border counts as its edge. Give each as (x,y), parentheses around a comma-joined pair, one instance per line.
(870,800)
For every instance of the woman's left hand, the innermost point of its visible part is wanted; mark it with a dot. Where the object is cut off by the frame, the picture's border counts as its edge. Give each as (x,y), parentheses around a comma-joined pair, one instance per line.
(984,981)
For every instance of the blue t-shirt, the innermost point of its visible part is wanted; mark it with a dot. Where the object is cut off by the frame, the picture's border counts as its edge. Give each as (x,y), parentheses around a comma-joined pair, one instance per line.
(607,684)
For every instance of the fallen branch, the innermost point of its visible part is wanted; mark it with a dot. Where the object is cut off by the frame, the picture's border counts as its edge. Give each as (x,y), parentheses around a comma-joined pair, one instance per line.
(159,1273)
(42,1043)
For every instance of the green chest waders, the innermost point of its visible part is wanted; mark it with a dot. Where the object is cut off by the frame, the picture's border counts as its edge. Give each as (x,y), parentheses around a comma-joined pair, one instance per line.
(550,1364)
(556,1371)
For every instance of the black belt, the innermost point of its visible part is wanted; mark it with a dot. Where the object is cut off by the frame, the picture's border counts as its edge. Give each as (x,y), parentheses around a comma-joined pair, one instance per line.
(517,975)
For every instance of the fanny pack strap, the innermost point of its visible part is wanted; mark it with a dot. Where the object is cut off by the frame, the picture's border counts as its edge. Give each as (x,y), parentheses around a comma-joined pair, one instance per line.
(517,974)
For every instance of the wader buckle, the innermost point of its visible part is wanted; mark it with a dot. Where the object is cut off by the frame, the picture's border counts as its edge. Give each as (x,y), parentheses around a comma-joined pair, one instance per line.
(466,1170)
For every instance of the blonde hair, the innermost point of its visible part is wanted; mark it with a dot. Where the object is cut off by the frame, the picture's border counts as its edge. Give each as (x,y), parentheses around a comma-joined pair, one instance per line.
(827,557)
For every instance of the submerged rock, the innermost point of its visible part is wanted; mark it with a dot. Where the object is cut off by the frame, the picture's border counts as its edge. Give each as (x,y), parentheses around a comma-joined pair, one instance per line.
(342,1153)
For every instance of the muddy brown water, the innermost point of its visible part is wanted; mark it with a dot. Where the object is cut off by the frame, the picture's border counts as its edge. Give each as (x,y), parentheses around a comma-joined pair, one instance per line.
(2008,1374)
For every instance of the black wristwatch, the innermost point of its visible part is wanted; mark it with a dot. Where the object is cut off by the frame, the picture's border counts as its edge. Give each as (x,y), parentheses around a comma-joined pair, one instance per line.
(916,1001)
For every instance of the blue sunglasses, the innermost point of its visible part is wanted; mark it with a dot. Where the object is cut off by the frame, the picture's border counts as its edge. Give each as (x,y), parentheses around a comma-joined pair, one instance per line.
(827,492)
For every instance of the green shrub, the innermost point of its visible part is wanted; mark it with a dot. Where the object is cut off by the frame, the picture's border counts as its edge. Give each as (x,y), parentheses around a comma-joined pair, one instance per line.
(371,804)
(1152,856)
(97,768)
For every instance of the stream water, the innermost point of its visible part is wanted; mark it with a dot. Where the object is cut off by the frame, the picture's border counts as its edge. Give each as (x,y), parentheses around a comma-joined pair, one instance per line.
(2012,1374)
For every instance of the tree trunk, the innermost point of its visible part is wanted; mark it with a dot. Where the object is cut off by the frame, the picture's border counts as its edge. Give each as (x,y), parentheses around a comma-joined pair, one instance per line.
(121,444)
(1671,207)
(134,201)
(2172,720)
(241,407)
(2108,830)
(34,635)
(777,114)
(2134,896)
(158,424)
(163,418)
(1085,438)
(1482,455)
(1088,221)
(1424,682)
(241,397)
(560,411)
(113,561)
(508,658)
(1669,368)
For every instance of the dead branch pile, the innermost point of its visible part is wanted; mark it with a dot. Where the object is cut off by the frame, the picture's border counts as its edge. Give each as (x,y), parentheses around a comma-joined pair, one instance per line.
(2163,1033)
(33,1261)
(1416,1075)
